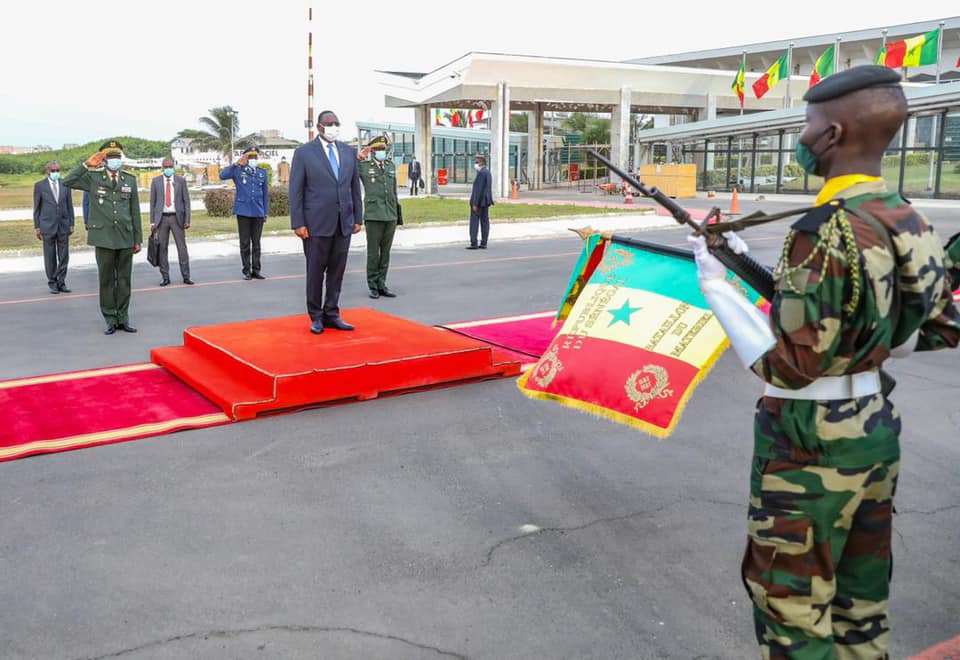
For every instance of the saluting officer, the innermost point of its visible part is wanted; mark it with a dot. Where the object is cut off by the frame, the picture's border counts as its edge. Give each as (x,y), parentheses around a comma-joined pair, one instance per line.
(250,206)
(380,212)
(113,228)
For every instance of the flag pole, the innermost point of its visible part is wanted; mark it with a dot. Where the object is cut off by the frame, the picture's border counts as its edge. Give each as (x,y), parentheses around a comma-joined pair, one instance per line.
(786,100)
(934,143)
(836,55)
(743,67)
(939,49)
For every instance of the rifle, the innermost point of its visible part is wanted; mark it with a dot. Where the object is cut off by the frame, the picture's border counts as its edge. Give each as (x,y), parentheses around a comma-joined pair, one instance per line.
(750,270)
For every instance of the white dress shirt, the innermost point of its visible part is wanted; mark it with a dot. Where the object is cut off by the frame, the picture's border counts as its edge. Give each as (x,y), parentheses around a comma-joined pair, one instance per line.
(55,189)
(326,150)
(173,196)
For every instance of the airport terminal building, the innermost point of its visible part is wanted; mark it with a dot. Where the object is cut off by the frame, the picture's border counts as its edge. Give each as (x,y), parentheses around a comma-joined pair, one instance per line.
(699,118)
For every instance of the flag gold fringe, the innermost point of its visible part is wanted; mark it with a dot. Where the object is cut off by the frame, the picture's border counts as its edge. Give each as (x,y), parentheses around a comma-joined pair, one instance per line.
(613,415)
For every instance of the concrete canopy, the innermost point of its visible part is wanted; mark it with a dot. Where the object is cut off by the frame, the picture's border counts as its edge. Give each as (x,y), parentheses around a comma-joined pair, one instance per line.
(502,83)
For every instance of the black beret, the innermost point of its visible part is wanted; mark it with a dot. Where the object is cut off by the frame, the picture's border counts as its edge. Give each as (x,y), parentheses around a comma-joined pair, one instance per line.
(851,80)
(111,145)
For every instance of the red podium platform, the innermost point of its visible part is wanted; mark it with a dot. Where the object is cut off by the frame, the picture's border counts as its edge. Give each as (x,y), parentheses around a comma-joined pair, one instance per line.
(256,367)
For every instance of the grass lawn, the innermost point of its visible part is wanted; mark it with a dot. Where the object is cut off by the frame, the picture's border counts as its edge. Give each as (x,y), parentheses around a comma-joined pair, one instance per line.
(16,190)
(19,234)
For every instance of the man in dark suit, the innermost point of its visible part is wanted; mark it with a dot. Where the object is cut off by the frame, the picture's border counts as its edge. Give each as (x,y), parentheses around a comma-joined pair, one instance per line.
(326,209)
(481,199)
(53,223)
(413,175)
(170,212)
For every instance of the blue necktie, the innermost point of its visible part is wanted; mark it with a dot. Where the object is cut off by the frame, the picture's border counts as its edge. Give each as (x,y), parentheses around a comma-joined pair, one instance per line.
(333,162)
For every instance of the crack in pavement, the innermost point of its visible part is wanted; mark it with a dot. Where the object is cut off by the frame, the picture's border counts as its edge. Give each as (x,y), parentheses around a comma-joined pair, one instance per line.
(563,530)
(932,512)
(268,628)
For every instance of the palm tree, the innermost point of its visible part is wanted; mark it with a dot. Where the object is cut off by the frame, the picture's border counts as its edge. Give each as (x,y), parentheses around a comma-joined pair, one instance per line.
(220,133)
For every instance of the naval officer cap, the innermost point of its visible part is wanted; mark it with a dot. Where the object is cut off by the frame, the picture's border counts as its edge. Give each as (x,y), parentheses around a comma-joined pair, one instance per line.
(111,147)
(852,80)
(379,142)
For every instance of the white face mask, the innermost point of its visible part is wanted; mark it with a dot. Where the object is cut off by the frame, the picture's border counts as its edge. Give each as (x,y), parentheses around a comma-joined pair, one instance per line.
(477,166)
(331,133)
(252,162)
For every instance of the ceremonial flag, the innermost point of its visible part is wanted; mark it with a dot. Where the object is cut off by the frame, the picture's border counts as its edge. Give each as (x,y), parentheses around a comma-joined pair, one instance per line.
(915,51)
(437,117)
(737,85)
(637,339)
(823,67)
(773,75)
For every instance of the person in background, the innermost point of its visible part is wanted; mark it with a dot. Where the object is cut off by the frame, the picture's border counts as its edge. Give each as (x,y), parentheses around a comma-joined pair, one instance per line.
(170,213)
(414,174)
(53,223)
(250,205)
(481,199)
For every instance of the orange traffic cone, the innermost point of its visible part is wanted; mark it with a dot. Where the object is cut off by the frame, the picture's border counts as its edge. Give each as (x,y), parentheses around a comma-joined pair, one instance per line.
(516,190)
(734,203)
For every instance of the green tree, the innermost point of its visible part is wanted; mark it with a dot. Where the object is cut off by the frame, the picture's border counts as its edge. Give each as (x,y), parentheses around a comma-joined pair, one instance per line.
(221,127)
(592,129)
(519,122)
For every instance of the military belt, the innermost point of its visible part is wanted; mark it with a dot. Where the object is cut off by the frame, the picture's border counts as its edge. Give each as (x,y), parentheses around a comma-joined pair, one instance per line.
(831,388)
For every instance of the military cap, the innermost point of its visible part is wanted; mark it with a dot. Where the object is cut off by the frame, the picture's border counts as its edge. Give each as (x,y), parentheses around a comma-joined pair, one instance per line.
(251,151)
(852,80)
(379,142)
(111,146)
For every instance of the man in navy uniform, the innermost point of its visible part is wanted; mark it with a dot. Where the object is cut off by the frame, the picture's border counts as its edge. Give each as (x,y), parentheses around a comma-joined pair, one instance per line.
(250,206)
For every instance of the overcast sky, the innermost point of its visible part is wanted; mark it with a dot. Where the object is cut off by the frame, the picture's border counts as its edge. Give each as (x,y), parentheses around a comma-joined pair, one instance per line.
(78,71)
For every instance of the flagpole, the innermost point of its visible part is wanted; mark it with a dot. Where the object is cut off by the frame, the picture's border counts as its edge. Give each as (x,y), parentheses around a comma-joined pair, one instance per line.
(786,99)
(836,55)
(934,143)
(939,49)
(743,67)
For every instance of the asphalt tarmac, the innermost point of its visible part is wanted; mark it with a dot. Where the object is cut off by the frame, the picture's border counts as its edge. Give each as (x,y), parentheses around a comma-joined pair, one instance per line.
(466,522)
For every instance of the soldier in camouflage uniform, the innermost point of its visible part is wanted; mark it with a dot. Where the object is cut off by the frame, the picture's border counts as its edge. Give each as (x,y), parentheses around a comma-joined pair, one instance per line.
(861,279)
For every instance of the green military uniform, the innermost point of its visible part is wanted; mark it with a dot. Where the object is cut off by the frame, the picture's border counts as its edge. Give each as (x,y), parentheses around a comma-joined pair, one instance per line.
(860,275)
(113,228)
(380,215)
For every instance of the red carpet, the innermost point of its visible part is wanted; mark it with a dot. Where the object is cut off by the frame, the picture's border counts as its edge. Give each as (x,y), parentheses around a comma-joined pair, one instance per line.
(526,336)
(270,365)
(73,410)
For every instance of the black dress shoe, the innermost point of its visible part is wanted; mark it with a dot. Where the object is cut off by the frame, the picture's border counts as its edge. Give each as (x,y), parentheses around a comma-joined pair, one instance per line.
(110,329)
(258,276)
(54,289)
(472,247)
(387,293)
(316,327)
(165,281)
(374,293)
(247,276)
(187,280)
(62,288)
(339,324)
(483,247)
(126,327)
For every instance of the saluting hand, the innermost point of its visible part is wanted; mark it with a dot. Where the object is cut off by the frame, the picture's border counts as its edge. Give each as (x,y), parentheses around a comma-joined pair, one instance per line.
(96,160)
(242,161)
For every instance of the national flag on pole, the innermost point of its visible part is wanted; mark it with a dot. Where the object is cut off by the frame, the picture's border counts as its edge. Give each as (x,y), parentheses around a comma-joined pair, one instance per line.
(823,67)
(915,51)
(437,117)
(638,336)
(737,85)
(773,75)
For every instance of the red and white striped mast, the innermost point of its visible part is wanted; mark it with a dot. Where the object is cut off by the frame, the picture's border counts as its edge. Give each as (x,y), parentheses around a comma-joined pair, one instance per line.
(310,123)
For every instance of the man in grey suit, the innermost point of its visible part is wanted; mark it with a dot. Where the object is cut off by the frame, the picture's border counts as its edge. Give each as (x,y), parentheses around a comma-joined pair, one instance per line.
(170,213)
(53,223)
(326,209)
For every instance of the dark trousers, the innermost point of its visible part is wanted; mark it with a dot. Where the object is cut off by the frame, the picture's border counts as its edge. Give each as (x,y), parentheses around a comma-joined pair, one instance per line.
(168,224)
(250,230)
(326,258)
(480,220)
(56,254)
(379,242)
(414,186)
(114,268)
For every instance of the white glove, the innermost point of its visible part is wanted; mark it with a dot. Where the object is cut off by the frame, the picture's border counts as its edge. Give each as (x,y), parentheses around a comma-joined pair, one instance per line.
(708,266)
(735,243)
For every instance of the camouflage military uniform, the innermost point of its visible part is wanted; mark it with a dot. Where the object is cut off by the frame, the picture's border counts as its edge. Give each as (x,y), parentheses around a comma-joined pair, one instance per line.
(818,557)
(952,260)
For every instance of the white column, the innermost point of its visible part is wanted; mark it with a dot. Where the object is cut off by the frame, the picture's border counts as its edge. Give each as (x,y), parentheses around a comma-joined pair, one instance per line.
(423,144)
(500,142)
(535,148)
(620,132)
(709,111)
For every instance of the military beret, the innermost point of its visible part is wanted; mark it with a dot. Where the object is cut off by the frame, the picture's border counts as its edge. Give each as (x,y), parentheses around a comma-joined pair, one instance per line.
(251,151)
(379,142)
(851,80)
(111,146)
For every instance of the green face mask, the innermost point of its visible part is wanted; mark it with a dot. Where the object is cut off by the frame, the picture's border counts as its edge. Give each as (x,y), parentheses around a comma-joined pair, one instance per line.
(805,156)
